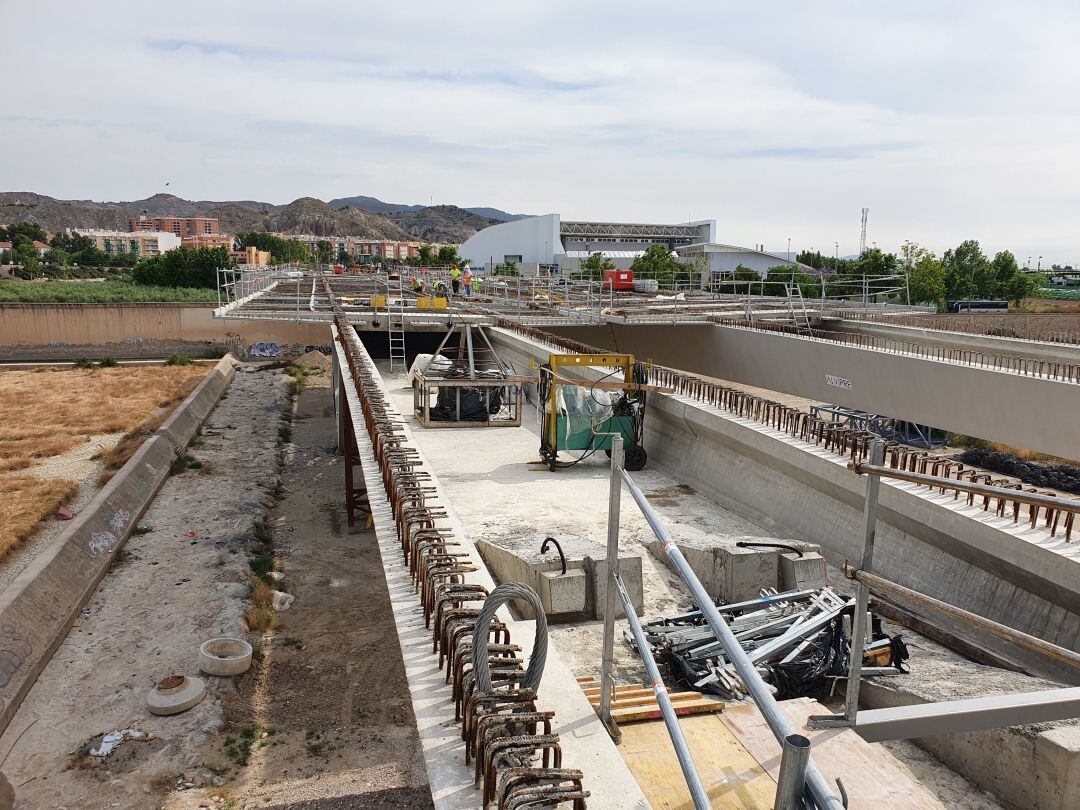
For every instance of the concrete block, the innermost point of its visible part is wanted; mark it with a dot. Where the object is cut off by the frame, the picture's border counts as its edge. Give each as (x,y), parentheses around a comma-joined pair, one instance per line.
(807,571)
(743,572)
(192,412)
(629,571)
(563,594)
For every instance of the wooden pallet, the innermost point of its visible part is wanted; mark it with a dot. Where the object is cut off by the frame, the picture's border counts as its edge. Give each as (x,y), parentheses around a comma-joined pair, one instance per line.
(632,704)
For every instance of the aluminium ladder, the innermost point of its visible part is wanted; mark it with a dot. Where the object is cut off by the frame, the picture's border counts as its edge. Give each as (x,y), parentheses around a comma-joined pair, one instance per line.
(395,324)
(800,316)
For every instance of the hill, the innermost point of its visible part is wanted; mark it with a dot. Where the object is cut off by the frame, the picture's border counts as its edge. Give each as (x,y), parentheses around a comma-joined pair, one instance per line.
(377,206)
(440,223)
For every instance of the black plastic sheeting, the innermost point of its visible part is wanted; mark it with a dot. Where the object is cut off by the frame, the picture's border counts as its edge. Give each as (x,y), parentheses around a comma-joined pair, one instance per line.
(1064,477)
(472,404)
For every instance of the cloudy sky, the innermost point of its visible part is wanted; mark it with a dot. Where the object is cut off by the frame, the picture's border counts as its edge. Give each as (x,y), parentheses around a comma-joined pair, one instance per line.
(778,119)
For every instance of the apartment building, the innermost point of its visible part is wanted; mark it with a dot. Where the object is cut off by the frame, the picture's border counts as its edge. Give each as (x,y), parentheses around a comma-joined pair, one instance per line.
(366,249)
(250,256)
(215,240)
(179,226)
(140,244)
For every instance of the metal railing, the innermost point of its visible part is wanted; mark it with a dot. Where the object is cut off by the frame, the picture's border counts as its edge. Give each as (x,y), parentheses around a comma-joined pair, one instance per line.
(799,769)
(1027,366)
(1046,327)
(949,716)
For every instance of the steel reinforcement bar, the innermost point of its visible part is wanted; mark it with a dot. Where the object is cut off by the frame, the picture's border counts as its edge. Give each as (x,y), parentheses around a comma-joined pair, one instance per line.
(1027,366)
(517,757)
(845,441)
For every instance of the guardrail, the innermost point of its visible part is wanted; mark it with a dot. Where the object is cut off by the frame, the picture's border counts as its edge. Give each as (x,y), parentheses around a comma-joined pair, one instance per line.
(1045,327)
(801,775)
(1027,366)
(845,441)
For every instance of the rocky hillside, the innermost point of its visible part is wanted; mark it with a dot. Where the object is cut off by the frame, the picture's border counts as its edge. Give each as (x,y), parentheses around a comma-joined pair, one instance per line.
(440,223)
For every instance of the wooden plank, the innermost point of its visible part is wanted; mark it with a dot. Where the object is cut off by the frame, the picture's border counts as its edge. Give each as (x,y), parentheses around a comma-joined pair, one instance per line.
(633,714)
(647,699)
(732,778)
(872,776)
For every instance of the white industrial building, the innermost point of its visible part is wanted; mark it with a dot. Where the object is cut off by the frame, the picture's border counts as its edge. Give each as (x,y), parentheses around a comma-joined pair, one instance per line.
(548,244)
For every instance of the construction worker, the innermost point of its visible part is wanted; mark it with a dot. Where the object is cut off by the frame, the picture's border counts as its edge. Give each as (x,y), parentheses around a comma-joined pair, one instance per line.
(417,285)
(439,287)
(455,278)
(466,279)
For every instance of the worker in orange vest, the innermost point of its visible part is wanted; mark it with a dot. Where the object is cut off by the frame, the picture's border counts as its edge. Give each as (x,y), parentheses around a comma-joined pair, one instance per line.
(466,279)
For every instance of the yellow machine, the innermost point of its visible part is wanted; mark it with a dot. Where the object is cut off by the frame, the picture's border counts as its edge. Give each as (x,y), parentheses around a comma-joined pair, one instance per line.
(581,415)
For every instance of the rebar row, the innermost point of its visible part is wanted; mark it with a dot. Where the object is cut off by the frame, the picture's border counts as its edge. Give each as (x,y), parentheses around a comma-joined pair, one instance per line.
(1027,366)
(838,438)
(1045,327)
(517,759)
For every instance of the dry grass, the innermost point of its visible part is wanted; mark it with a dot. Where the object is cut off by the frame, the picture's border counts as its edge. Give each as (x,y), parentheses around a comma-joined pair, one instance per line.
(24,502)
(260,613)
(47,413)
(50,412)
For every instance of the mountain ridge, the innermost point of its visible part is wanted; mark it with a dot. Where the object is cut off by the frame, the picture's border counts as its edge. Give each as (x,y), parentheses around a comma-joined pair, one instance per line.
(440,223)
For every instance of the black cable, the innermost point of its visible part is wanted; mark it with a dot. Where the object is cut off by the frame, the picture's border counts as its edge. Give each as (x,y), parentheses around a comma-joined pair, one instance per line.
(748,544)
(562,557)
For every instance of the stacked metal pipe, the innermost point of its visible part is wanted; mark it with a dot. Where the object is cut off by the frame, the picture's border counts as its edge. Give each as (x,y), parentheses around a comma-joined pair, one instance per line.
(799,640)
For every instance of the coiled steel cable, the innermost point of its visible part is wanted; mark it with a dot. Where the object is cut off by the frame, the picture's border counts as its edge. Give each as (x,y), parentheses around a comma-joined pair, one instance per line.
(507,592)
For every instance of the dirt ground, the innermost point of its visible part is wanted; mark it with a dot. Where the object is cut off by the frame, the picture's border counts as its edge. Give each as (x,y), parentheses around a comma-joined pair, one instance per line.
(167,593)
(327,707)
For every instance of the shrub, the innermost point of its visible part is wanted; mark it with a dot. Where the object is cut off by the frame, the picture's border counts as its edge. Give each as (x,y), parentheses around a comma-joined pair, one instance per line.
(179,360)
(108,362)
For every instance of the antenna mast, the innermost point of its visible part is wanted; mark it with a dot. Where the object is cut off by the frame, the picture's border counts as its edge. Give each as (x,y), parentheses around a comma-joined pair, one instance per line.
(862,237)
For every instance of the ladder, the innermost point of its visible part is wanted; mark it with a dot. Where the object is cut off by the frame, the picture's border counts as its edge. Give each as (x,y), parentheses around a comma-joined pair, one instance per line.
(395,323)
(797,307)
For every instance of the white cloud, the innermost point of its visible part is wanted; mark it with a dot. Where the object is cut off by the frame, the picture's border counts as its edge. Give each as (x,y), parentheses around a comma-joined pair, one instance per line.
(778,119)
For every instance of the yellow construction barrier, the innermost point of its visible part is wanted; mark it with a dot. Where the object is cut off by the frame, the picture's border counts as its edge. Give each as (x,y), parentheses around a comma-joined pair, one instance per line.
(431,302)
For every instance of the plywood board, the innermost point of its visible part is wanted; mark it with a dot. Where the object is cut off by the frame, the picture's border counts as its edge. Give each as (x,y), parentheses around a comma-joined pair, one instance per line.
(872,776)
(732,778)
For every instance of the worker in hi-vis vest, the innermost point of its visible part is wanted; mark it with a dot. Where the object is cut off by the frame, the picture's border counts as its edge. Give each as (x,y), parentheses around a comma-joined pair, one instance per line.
(466,279)
(455,278)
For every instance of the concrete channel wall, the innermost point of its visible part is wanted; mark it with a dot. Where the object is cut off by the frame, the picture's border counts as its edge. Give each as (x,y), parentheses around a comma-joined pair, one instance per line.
(985,565)
(1028,412)
(37,609)
(89,324)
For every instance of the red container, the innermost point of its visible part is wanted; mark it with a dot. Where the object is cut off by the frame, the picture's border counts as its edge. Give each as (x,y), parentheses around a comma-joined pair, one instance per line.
(618,280)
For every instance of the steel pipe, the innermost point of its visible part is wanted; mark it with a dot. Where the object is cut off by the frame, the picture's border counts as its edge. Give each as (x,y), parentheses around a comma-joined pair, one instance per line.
(611,602)
(671,720)
(886,588)
(1031,498)
(791,781)
(757,687)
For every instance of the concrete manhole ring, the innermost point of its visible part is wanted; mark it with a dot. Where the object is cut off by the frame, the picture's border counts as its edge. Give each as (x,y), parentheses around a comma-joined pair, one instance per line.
(175,694)
(225,656)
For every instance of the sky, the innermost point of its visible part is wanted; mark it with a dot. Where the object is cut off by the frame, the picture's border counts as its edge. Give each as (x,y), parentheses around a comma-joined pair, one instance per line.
(780,120)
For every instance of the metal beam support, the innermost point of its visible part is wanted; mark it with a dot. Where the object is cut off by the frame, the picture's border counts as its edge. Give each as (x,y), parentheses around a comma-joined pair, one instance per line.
(791,781)
(611,602)
(975,714)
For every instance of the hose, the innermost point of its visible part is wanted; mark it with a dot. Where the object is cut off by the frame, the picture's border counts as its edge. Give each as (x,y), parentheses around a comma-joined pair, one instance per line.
(748,544)
(507,592)
(562,557)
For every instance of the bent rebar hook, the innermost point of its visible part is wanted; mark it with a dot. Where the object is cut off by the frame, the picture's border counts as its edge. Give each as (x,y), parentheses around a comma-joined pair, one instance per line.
(562,557)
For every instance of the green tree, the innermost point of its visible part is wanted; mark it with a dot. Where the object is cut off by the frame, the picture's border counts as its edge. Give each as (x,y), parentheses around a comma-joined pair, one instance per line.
(425,256)
(926,281)
(595,262)
(1022,285)
(23,233)
(281,250)
(28,258)
(965,268)
(657,262)
(182,267)
(71,242)
(875,262)
(90,257)
(324,250)
(343,256)
(1004,269)
(447,255)
(57,257)
(744,273)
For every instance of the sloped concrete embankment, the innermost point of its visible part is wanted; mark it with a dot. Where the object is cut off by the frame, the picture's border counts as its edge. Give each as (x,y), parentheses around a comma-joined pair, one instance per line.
(37,609)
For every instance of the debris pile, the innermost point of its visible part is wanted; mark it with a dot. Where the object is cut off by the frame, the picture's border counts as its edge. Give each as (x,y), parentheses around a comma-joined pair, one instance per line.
(800,641)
